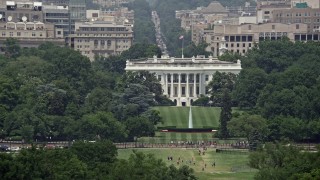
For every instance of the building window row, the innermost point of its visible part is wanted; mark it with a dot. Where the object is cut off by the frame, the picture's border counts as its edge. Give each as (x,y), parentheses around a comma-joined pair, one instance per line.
(306,37)
(102,35)
(102,29)
(238,44)
(239,38)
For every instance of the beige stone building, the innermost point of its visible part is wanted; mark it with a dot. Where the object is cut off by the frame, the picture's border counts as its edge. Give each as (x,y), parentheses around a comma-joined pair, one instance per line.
(30,34)
(213,12)
(110,3)
(241,38)
(101,38)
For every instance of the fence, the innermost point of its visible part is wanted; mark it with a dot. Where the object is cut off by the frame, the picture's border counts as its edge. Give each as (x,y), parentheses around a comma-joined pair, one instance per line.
(126,145)
(232,151)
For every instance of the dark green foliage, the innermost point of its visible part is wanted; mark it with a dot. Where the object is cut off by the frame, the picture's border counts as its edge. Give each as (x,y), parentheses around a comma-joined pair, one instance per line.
(253,127)
(220,82)
(144,30)
(192,49)
(54,93)
(230,57)
(86,160)
(139,126)
(277,161)
(12,49)
(225,115)
(94,153)
(42,164)
(141,166)
(202,101)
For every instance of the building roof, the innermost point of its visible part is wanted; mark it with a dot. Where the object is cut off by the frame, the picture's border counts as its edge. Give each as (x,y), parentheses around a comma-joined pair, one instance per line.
(213,7)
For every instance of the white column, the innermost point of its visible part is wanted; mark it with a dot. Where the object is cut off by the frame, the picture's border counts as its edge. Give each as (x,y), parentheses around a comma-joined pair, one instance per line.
(194,85)
(179,86)
(171,93)
(166,84)
(187,86)
(200,83)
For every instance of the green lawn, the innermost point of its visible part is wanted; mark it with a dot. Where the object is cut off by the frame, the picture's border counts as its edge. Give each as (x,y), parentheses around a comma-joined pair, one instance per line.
(228,166)
(179,116)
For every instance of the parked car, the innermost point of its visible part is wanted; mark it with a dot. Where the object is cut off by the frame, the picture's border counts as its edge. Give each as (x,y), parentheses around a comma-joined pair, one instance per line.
(4,148)
(15,148)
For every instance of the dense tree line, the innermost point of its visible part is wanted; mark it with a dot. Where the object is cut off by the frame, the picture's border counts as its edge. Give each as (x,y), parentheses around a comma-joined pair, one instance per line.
(51,93)
(279,80)
(86,161)
(143,30)
(279,161)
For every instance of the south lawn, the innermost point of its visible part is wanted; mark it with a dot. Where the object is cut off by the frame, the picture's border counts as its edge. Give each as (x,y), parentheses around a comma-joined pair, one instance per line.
(228,166)
(179,116)
(202,117)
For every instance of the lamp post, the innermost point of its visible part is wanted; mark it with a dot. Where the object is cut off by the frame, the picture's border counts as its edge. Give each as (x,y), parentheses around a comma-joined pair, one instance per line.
(135,140)
(10,143)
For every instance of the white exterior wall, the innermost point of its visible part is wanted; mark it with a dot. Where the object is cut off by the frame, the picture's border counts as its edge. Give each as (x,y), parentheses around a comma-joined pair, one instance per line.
(182,88)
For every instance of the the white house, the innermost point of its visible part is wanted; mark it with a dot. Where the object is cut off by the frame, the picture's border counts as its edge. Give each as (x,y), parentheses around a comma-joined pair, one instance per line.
(183,80)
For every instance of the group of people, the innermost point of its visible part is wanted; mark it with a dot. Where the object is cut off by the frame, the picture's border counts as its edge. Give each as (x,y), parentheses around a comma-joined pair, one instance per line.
(192,160)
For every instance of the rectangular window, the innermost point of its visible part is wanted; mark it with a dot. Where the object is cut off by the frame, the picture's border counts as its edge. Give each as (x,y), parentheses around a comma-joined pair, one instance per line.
(18,33)
(244,38)
(3,33)
(232,38)
(159,77)
(243,44)
(238,38)
(297,26)
(231,44)
(207,77)
(183,91)
(249,44)
(11,34)
(249,27)
(33,34)
(238,45)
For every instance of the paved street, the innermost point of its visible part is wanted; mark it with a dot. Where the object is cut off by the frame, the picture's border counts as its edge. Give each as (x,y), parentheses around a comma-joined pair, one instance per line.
(159,35)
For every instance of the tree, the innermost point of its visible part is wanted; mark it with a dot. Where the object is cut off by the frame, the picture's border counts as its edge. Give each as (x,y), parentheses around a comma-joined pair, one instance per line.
(248,86)
(43,164)
(146,166)
(278,161)
(139,126)
(225,115)
(12,49)
(93,154)
(101,125)
(253,127)
(219,83)
(230,57)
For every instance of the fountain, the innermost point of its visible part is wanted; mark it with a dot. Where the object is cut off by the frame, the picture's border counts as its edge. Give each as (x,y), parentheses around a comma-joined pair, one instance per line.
(190,118)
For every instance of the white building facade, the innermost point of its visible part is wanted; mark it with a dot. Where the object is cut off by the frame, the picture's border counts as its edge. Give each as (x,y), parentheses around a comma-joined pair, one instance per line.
(184,80)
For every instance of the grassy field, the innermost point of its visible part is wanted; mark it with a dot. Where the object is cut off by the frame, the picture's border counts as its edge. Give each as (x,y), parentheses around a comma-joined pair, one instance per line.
(228,166)
(179,117)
